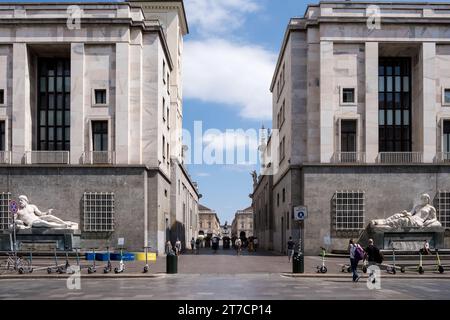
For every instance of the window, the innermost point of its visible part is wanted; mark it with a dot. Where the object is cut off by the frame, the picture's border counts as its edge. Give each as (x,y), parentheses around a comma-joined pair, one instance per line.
(2,136)
(164,148)
(100,135)
(201,224)
(2,96)
(165,193)
(394,99)
(445,140)
(168,117)
(443,208)
(53,116)
(348,135)
(100,97)
(284,195)
(278,199)
(209,225)
(168,83)
(168,152)
(242,225)
(445,96)
(349,209)
(164,71)
(287,220)
(5,217)
(98,211)
(164,109)
(282,149)
(348,96)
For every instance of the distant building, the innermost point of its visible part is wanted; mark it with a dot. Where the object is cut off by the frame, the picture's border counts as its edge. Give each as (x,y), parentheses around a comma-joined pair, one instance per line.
(209,223)
(243,222)
(225,230)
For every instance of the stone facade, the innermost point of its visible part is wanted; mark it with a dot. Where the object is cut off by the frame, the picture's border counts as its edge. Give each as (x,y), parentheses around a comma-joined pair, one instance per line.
(397,113)
(243,222)
(209,223)
(125,63)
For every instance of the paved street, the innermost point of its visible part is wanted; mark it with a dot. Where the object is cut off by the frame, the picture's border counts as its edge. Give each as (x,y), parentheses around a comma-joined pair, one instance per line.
(226,287)
(226,276)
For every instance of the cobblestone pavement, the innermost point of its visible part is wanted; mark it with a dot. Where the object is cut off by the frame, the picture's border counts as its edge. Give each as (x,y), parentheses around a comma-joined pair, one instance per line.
(224,287)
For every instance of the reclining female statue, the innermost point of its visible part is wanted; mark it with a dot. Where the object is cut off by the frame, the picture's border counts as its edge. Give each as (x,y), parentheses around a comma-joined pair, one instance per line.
(422,216)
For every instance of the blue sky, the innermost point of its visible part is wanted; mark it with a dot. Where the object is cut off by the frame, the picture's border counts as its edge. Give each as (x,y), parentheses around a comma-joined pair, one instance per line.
(241,36)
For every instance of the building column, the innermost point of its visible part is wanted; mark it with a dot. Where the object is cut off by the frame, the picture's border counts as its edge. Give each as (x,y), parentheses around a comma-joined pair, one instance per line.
(371,114)
(326,102)
(21,109)
(428,62)
(77,94)
(122,102)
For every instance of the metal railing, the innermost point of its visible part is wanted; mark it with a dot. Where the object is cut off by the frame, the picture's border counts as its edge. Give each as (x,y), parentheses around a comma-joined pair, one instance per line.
(5,157)
(443,157)
(349,157)
(99,157)
(47,157)
(400,157)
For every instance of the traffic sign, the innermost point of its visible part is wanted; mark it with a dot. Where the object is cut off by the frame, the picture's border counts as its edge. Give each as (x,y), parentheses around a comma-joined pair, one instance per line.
(300,213)
(13,208)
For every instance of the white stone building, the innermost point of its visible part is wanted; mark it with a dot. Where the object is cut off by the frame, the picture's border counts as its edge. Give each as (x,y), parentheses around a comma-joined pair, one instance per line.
(242,223)
(363,118)
(91,104)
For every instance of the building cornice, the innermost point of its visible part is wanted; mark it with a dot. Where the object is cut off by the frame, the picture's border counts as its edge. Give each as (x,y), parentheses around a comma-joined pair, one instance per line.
(165,5)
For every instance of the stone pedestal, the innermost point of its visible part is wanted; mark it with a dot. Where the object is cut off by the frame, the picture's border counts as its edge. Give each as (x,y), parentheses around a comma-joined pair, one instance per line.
(407,239)
(42,239)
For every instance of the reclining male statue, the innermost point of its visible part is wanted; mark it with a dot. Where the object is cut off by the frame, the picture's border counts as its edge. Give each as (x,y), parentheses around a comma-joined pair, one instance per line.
(29,216)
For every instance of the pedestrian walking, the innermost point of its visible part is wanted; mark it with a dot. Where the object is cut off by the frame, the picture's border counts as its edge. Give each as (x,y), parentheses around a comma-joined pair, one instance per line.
(290,247)
(193,245)
(255,243)
(373,254)
(426,248)
(238,245)
(356,255)
(169,248)
(178,247)
(215,244)
(197,245)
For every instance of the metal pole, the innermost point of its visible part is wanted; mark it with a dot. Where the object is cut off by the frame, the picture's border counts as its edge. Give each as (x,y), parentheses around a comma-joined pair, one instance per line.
(14,232)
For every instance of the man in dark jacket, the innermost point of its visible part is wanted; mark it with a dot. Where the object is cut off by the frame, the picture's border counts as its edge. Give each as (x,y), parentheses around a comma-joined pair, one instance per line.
(373,254)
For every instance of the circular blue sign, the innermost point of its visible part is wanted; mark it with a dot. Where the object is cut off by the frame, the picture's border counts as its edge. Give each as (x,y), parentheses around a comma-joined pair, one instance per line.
(13,206)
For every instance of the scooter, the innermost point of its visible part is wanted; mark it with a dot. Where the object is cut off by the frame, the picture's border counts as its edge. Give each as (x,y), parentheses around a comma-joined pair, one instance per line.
(92,269)
(108,267)
(29,267)
(322,268)
(146,267)
(121,267)
(57,267)
(440,267)
(391,268)
(420,269)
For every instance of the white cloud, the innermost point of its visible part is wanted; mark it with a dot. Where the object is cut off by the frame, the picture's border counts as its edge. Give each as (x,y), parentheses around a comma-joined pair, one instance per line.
(236,74)
(232,140)
(203,174)
(219,16)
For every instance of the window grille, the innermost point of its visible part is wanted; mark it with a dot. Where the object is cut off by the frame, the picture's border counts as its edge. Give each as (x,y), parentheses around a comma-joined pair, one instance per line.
(443,208)
(349,207)
(5,217)
(98,211)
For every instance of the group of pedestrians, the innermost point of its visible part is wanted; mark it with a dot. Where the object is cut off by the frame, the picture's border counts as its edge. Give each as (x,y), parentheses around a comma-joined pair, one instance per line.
(371,254)
(173,249)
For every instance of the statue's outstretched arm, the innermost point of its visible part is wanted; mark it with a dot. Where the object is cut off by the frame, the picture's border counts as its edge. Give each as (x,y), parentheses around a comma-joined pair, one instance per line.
(38,212)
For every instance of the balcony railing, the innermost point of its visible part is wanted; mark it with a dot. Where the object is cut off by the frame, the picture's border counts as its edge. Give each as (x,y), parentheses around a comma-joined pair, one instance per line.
(349,157)
(5,157)
(47,157)
(400,157)
(443,157)
(99,157)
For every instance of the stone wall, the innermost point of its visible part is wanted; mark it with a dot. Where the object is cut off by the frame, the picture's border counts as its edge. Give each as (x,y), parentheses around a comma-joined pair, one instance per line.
(388,190)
